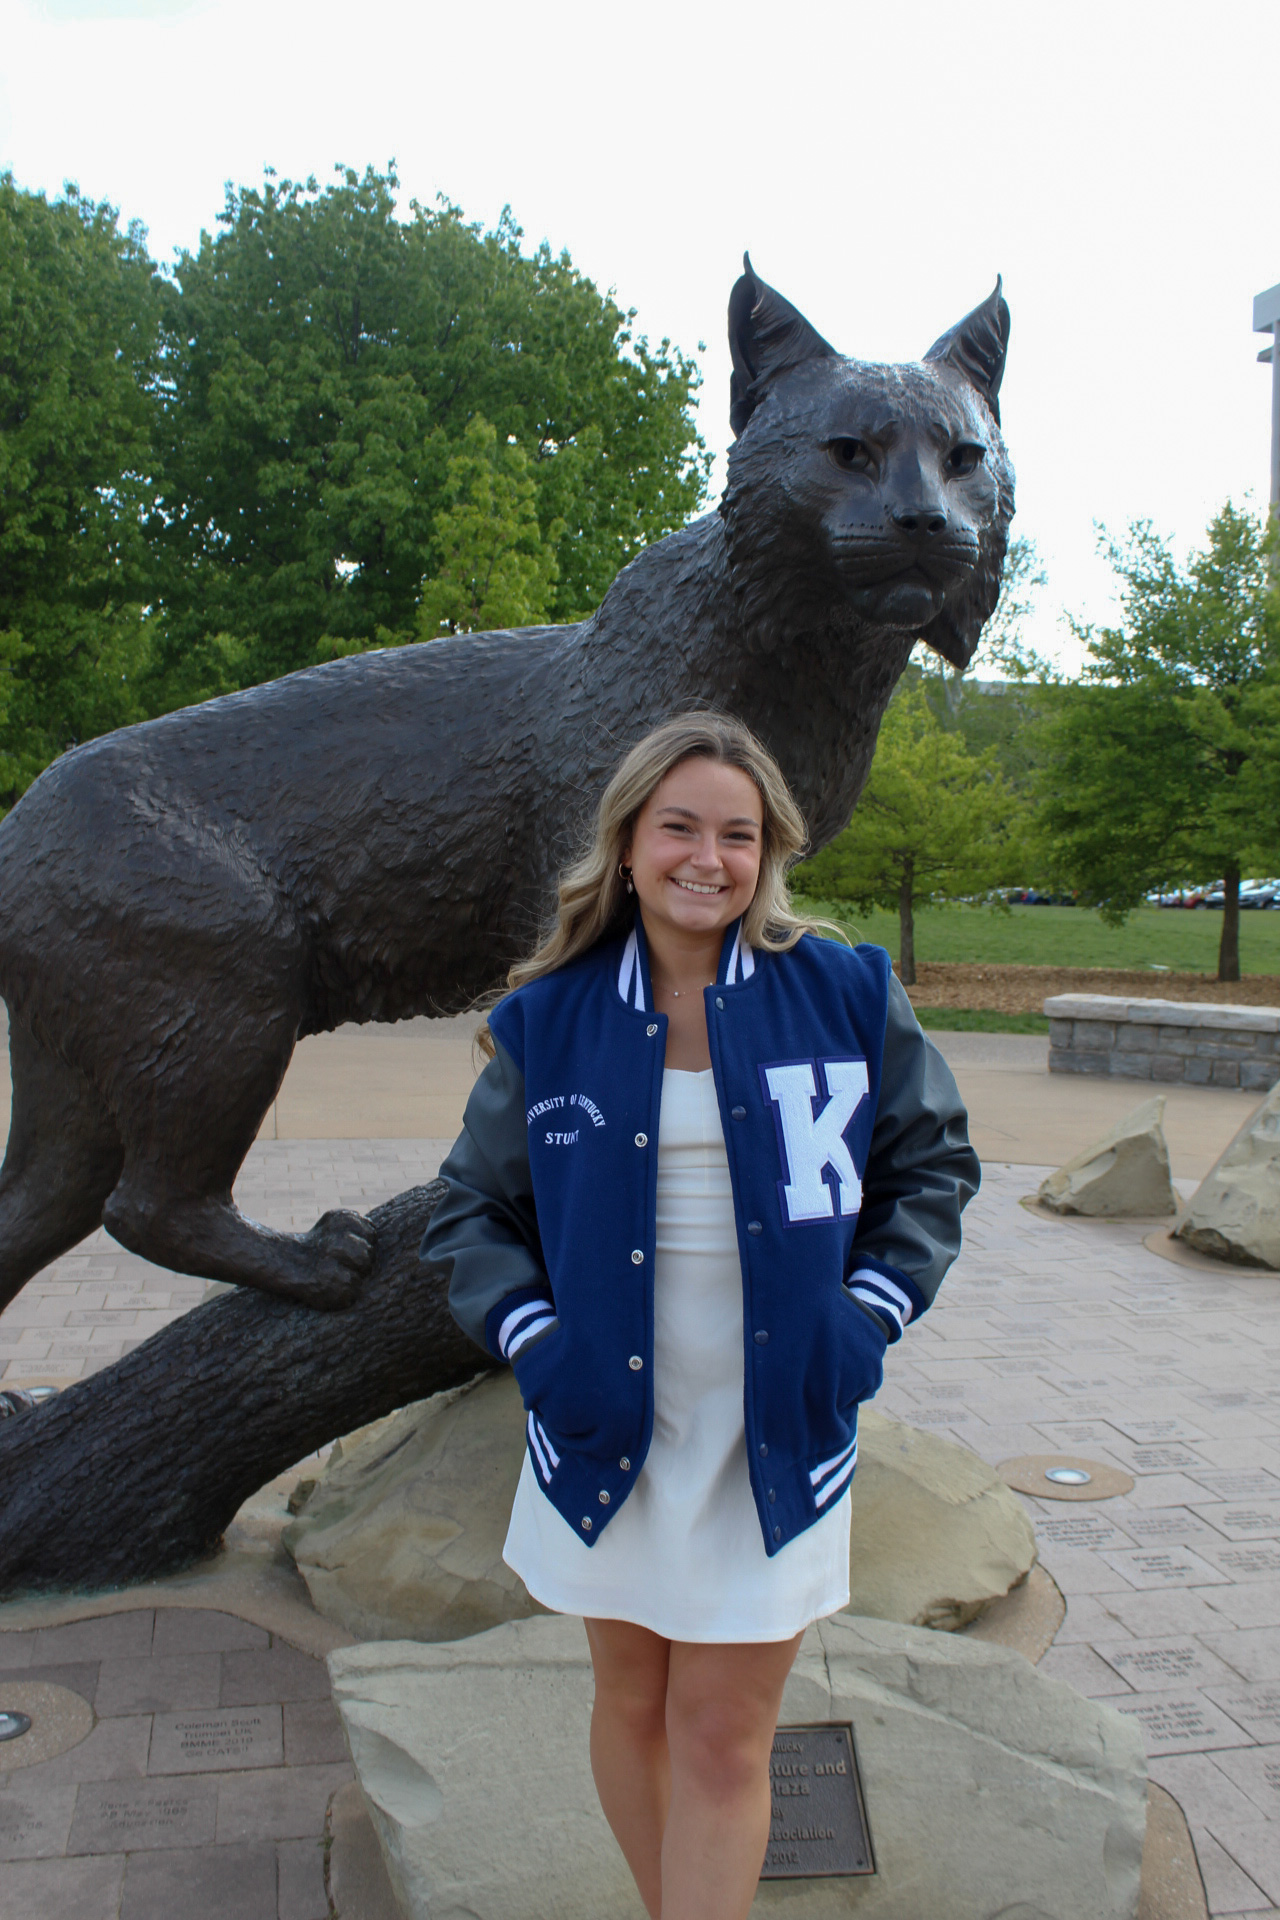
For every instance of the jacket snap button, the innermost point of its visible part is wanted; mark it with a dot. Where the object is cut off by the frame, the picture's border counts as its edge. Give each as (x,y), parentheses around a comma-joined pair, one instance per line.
(635,1363)
(719,1004)
(637,1257)
(739,1113)
(642,1139)
(773,1496)
(764,1451)
(777,1532)
(652,1029)
(604,1498)
(762,1338)
(586,1523)
(754,1226)
(625,1464)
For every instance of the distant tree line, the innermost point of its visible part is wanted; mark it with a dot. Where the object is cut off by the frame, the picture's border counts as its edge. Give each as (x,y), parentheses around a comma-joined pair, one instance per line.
(328,428)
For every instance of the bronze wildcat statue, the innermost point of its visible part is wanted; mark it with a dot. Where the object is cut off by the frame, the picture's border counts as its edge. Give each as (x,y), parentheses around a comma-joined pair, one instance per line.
(379,836)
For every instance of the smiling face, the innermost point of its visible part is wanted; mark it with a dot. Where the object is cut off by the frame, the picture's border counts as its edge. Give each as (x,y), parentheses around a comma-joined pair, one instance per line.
(695,848)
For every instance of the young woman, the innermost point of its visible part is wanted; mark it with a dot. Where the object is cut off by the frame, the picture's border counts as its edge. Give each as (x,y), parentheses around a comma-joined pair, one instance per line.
(712,1169)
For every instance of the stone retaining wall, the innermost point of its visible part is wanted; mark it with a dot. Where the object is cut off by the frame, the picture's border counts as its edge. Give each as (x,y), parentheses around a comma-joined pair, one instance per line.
(1196,1042)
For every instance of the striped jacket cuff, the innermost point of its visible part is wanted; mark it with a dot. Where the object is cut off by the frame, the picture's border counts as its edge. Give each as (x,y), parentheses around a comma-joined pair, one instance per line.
(545,1458)
(888,1294)
(517,1319)
(830,1477)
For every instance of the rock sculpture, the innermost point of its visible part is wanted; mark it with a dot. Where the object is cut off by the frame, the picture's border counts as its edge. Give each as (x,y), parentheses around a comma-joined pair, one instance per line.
(403,1534)
(378,836)
(1124,1173)
(1235,1211)
(992,1792)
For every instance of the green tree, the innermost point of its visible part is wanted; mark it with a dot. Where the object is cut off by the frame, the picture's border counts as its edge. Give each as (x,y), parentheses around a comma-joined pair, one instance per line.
(494,568)
(933,818)
(325,360)
(79,306)
(998,702)
(1165,764)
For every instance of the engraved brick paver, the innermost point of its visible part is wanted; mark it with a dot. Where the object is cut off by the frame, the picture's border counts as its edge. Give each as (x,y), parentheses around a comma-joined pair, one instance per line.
(222,1740)
(34,1820)
(127,1816)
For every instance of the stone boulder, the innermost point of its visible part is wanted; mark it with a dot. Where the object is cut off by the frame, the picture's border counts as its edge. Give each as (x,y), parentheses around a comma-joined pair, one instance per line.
(1235,1211)
(1124,1173)
(937,1535)
(402,1535)
(992,1792)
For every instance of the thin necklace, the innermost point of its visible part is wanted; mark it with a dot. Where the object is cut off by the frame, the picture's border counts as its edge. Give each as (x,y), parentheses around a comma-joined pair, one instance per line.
(675,991)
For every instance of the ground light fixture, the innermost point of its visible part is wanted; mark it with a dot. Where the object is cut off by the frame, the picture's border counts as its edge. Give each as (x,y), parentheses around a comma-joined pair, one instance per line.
(1068,1476)
(13,1725)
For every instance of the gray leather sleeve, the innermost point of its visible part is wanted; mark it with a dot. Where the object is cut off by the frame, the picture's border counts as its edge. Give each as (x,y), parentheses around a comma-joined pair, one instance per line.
(921,1171)
(485,1230)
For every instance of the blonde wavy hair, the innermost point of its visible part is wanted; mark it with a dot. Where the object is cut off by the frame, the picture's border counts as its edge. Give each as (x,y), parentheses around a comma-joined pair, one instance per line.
(593,903)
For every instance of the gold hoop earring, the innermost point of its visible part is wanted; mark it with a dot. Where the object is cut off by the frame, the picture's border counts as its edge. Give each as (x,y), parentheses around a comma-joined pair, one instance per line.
(625,874)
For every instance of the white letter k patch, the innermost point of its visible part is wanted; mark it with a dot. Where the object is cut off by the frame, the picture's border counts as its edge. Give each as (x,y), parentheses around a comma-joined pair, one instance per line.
(810,1144)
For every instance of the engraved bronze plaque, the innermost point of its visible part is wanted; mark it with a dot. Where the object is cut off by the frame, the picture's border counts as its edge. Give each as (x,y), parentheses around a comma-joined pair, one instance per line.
(819,1824)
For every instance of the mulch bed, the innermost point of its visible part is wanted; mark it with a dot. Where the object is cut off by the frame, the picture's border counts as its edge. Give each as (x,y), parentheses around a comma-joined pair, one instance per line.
(945,983)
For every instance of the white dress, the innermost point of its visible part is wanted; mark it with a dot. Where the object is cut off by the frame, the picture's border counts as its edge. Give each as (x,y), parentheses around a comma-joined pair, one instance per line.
(684,1556)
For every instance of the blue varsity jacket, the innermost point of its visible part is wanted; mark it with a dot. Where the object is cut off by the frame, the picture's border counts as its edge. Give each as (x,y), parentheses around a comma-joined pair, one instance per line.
(849,1160)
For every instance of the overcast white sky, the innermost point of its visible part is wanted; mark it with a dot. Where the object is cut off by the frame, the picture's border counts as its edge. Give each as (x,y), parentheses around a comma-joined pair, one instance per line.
(1118,163)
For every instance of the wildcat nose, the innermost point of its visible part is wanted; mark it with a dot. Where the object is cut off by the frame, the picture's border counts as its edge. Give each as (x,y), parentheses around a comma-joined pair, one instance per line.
(920,519)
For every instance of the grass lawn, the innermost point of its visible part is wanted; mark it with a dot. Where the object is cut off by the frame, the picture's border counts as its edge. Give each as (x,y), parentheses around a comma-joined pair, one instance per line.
(1183,942)
(976,1020)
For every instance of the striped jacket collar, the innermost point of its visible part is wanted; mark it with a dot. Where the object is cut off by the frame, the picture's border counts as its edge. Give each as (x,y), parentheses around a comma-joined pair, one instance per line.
(737,964)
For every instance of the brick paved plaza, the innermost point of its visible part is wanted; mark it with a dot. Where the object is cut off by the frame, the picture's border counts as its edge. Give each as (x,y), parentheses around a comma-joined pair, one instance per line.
(202,1788)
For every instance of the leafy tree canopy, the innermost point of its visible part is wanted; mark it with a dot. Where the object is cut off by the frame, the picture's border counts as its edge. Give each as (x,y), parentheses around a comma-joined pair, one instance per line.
(79,305)
(1165,764)
(494,568)
(933,818)
(325,360)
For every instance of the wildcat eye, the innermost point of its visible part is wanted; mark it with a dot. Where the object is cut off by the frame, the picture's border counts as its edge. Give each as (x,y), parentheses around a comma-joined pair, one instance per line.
(851,456)
(963,459)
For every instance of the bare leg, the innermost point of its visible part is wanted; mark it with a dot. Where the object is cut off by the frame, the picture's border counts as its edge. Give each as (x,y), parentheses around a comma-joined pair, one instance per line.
(722,1711)
(629,1745)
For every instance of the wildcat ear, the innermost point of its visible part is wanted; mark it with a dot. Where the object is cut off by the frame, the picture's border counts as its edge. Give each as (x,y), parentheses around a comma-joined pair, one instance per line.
(976,348)
(767,335)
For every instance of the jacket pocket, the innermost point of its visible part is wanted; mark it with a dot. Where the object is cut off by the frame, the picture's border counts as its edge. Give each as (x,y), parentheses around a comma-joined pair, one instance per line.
(863,1349)
(535,1363)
